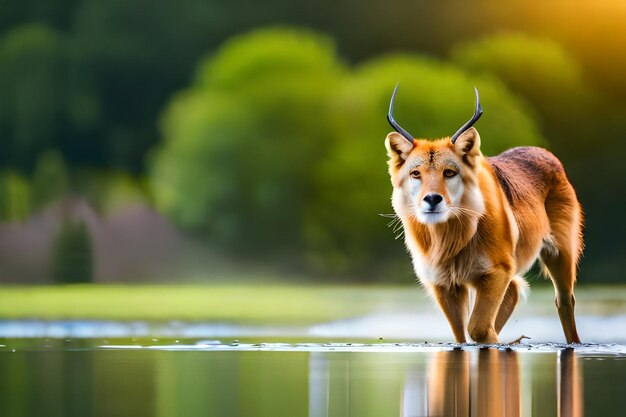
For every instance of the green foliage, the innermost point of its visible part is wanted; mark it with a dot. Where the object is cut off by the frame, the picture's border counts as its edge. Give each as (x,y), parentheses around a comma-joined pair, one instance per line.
(547,76)
(93,76)
(31,97)
(14,197)
(241,143)
(269,55)
(128,58)
(50,180)
(108,191)
(527,63)
(72,258)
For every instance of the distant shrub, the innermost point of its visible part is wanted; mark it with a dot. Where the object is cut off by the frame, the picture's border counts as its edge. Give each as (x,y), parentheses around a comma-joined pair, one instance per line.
(50,180)
(72,255)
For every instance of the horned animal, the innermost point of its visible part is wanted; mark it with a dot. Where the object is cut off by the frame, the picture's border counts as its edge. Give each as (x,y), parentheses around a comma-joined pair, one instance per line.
(477,223)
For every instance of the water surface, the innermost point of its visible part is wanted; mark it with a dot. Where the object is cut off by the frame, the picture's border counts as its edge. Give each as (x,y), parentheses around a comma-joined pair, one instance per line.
(174,377)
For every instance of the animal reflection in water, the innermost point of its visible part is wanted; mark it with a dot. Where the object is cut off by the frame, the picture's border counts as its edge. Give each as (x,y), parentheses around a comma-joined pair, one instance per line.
(471,382)
(492,385)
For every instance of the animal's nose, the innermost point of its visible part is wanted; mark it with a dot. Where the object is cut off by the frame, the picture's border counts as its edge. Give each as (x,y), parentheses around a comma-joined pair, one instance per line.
(433,200)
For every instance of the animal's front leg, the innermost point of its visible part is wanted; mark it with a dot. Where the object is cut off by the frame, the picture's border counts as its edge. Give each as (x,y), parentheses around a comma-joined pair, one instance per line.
(454,303)
(490,290)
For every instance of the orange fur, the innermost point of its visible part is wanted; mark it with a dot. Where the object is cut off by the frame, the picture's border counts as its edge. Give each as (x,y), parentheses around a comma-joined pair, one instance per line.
(496,217)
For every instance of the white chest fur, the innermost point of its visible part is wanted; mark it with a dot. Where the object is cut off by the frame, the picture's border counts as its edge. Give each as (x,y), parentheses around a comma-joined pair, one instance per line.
(468,265)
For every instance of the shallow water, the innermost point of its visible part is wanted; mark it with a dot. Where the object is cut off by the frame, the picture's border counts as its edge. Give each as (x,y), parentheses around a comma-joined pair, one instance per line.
(248,377)
(418,327)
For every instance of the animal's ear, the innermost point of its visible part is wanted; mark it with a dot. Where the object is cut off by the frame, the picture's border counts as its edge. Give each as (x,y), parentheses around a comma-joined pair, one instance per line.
(468,144)
(398,148)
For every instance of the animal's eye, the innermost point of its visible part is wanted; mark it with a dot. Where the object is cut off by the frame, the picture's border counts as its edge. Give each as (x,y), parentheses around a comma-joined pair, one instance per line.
(449,173)
(416,174)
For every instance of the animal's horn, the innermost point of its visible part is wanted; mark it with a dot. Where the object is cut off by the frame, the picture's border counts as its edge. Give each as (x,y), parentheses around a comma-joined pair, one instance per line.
(477,113)
(392,122)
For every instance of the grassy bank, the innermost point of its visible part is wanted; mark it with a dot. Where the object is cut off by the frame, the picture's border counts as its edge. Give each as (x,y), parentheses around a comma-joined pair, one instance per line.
(277,303)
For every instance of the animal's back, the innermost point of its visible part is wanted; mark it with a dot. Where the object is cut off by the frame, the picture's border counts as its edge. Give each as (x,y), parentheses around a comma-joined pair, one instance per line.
(526,174)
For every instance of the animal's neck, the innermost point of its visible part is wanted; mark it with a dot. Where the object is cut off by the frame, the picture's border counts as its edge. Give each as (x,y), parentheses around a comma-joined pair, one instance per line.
(442,241)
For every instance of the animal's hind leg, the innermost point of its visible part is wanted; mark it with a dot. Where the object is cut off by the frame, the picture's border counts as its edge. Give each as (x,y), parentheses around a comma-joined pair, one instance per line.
(560,257)
(562,271)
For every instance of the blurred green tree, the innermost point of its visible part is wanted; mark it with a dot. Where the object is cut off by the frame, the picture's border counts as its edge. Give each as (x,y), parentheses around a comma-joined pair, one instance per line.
(127,60)
(15,193)
(241,143)
(31,97)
